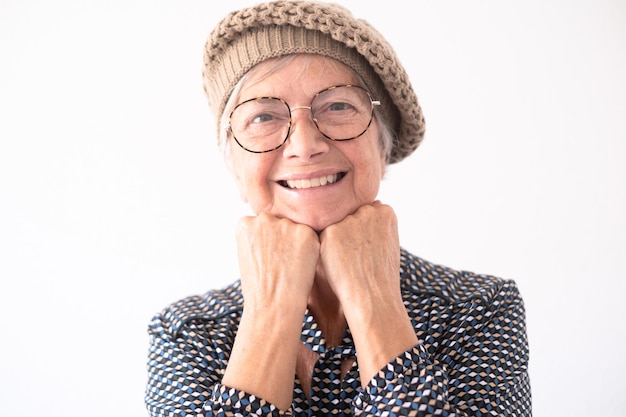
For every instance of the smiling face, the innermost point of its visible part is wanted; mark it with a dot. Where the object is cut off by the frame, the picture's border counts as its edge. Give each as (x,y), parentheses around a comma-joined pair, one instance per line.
(310,179)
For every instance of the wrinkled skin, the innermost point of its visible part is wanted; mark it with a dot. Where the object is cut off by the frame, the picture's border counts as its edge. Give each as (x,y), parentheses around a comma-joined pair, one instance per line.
(333,249)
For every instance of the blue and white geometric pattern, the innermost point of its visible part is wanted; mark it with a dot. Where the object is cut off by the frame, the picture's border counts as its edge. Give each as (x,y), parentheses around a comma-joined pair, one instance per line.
(471,359)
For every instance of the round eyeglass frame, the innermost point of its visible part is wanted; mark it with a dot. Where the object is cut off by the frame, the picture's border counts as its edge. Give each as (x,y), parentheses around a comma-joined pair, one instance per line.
(373,103)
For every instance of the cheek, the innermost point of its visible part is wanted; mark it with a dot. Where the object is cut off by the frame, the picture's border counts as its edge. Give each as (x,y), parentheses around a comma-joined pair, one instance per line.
(383,167)
(251,174)
(375,163)
(240,184)
(241,175)
(368,181)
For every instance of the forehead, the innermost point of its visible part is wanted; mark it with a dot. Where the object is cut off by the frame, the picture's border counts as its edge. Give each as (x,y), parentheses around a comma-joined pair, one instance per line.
(296,76)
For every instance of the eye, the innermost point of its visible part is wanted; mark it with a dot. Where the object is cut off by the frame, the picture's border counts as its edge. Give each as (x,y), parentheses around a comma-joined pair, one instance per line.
(334,108)
(259,113)
(342,101)
(262,118)
(339,105)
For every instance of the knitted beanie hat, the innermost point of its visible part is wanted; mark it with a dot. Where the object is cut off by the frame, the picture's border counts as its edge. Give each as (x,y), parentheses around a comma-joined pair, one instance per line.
(249,36)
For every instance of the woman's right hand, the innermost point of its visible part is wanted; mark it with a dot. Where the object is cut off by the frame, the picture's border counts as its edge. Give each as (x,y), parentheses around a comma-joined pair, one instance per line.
(277,260)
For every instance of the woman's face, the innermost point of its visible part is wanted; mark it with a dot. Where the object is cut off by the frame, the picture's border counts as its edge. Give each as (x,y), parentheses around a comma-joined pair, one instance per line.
(307,158)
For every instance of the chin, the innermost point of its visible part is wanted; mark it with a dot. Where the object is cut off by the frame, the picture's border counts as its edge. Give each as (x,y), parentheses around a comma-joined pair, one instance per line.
(321,217)
(319,224)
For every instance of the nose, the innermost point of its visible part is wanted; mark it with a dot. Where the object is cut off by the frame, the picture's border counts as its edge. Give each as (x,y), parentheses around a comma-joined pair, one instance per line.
(305,140)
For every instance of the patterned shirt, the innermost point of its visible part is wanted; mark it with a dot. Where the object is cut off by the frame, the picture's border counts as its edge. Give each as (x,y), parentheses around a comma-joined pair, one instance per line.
(471,359)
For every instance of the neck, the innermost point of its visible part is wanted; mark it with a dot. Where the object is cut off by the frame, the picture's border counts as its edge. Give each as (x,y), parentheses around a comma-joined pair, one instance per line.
(326,309)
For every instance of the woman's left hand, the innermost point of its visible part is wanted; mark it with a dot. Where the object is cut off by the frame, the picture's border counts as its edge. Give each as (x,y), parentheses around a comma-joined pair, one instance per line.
(360,259)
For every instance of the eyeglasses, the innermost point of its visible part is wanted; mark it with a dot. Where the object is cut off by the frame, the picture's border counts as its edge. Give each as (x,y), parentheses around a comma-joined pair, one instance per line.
(341,112)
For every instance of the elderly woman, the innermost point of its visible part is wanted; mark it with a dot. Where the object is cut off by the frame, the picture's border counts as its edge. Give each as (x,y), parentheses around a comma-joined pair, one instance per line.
(331,315)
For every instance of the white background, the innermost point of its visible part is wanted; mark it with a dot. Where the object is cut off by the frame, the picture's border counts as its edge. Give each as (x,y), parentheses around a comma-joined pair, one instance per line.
(114,201)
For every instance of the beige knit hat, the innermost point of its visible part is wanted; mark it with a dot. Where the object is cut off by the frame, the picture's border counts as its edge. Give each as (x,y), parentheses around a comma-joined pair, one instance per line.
(249,36)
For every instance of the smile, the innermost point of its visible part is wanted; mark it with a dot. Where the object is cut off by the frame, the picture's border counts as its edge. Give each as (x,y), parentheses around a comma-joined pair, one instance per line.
(312,182)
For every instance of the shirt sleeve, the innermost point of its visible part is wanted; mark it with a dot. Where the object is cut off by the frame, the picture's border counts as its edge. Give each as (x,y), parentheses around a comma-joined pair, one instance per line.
(227,401)
(185,370)
(479,368)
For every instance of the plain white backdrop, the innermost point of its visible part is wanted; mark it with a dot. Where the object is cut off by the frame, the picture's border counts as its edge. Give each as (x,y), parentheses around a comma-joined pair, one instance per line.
(114,201)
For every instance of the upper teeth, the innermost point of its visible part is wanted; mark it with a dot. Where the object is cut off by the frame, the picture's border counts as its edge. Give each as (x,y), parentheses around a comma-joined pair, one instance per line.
(312,182)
